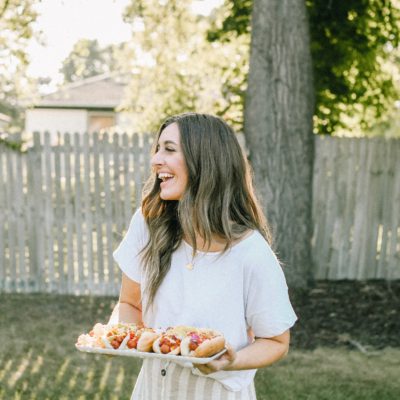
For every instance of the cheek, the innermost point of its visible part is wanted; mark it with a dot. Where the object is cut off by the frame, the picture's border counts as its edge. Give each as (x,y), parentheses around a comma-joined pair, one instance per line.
(183,171)
(185,177)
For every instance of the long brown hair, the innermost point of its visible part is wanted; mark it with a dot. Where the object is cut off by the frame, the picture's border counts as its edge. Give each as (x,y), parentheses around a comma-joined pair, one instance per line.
(219,198)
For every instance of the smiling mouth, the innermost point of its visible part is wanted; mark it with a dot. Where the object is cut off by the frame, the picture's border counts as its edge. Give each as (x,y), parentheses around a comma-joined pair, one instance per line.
(164,177)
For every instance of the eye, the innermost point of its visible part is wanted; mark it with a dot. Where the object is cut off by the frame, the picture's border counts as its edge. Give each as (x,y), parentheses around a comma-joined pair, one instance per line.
(169,149)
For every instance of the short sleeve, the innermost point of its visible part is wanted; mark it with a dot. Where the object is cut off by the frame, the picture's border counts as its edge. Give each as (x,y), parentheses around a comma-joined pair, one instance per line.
(268,309)
(127,255)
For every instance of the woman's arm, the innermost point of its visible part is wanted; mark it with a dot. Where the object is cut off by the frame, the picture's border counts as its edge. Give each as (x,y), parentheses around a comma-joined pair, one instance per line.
(261,353)
(129,307)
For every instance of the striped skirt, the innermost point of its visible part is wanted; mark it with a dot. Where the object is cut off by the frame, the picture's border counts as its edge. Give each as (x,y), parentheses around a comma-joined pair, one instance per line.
(179,383)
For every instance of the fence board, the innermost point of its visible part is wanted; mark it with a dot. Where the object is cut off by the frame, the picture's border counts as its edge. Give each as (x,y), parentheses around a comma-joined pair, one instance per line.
(128,179)
(20,222)
(65,207)
(348,208)
(59,213)
(137,168)
(367,247)
(99,272)
(78,217)
(387,193)
(49,217)
(88,218)
(11,221)
(68,215)
(394,254)
(3,211)
(116,153)
(375,208)
(108,206)
(37,215)
(364,217)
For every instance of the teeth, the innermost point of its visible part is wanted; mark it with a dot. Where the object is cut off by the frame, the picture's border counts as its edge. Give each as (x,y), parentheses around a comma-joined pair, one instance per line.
(164,176)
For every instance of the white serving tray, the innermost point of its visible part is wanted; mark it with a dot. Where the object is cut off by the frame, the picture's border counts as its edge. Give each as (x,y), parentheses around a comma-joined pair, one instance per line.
(184,360)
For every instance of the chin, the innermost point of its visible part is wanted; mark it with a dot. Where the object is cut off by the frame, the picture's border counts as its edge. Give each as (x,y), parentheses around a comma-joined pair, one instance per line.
(167,196)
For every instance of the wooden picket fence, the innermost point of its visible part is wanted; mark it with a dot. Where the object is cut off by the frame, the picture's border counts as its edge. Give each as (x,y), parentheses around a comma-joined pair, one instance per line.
(64,208)
(356,208)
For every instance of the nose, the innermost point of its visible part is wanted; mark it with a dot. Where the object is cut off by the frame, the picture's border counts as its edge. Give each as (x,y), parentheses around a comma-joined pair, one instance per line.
(156,159)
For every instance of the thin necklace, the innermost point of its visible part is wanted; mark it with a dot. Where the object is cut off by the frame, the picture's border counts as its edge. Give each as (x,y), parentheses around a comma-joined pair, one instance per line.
(191,262)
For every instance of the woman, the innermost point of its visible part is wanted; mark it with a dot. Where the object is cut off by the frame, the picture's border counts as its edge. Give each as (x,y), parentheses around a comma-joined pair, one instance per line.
(197,253)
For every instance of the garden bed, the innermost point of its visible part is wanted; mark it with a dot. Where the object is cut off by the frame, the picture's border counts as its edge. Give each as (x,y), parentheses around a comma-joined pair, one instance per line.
(363,315)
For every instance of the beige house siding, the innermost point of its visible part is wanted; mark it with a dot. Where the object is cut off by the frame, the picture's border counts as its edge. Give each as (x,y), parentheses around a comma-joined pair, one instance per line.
(87,106)
(53,121)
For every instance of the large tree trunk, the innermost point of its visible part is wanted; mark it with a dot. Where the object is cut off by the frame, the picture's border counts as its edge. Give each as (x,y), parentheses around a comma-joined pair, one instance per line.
(278,128)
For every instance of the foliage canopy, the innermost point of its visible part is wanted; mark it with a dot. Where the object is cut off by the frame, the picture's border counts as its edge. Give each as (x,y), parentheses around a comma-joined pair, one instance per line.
(352,44)
(175,69)
(88,59)
(16,29)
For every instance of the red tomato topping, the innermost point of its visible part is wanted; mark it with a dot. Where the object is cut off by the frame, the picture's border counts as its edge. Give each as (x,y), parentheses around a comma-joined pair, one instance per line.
(132,343)
(171,343)
(193,345)
(165,349)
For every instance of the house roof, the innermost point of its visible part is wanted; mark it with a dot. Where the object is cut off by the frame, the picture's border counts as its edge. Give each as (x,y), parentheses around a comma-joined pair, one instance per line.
(99,92)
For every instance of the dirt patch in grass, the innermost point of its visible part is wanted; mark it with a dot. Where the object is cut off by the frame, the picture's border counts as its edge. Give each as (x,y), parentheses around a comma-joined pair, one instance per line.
(363,315)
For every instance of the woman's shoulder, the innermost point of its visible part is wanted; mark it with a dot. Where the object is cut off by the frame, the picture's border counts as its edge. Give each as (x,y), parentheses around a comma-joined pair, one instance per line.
(254,240)
(138,216)
(138,222)
(255,250)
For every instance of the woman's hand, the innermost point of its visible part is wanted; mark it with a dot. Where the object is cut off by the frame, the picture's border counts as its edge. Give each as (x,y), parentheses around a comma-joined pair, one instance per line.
(225,361)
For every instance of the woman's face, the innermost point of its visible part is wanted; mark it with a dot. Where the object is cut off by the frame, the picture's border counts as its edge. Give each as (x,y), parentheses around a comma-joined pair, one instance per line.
(169,164)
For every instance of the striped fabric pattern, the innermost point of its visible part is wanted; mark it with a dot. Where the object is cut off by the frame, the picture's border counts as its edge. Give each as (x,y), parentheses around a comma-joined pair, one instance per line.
(180,384)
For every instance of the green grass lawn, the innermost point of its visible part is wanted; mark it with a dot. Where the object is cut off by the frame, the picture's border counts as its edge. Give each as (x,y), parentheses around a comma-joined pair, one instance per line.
(38,359)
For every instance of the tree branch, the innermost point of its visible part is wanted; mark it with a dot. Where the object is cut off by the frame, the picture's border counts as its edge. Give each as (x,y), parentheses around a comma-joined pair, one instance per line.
(6,4)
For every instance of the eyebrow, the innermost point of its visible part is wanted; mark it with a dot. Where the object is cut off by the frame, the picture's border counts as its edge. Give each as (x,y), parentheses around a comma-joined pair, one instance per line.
(169,142)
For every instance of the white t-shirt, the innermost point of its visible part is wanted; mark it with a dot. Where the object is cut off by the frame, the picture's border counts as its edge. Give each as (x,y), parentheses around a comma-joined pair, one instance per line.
(231,292)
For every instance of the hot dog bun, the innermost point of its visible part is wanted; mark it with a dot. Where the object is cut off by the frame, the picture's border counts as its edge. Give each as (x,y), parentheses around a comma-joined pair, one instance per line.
(210,347)
(181,339)
(112,344)
(202,343)
(158,345)
(146,341)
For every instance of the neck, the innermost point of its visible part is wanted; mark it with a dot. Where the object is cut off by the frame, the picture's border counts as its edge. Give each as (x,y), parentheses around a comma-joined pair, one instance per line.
(217,244)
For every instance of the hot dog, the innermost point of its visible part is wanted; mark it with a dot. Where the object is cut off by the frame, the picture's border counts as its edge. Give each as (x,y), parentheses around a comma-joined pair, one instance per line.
(167,344)
(184,340)
(170,341)
(116,336)
(93,338)
(141,339)
(202,343)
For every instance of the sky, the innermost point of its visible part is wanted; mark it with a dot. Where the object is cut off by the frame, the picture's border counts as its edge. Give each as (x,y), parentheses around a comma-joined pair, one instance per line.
(64,22)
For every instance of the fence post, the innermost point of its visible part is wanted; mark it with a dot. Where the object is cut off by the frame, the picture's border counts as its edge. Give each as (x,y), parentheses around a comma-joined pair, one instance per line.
(2,227)
(36,223)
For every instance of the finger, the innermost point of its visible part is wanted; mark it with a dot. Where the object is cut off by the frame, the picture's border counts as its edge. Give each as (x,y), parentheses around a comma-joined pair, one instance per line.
(204,369)
(230,352)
